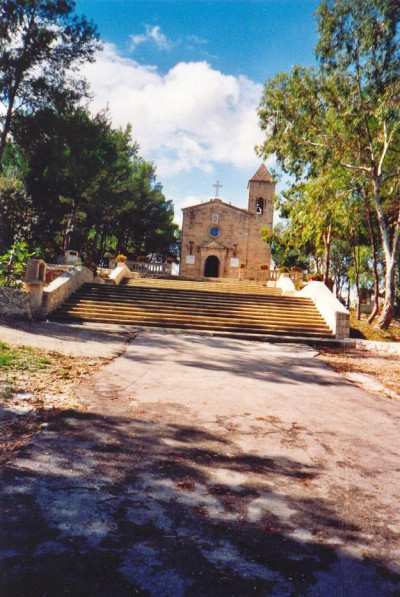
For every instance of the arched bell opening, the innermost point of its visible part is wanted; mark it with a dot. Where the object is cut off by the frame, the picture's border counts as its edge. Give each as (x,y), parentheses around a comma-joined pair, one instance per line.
(260,206)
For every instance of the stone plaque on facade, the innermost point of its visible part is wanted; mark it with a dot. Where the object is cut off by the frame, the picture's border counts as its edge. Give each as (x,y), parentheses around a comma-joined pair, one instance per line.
(190,259)
(234,262)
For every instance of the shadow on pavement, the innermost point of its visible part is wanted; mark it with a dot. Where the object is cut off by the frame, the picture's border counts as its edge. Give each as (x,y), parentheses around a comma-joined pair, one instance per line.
(281,363)
(113,507)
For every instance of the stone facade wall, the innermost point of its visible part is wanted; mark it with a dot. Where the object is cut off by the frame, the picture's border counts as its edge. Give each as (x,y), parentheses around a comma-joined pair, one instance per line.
(15,303)
(238,246)
(198,244)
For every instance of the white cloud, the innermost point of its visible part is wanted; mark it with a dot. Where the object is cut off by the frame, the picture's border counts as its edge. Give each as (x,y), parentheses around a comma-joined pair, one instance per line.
(153,34)
(190,117)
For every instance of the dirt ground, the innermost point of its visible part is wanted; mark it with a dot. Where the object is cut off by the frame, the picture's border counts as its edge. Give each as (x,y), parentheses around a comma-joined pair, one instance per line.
(373,371)
(32,396)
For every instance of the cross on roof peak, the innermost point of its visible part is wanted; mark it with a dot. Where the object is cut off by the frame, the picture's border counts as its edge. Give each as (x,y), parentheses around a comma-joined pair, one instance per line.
(218,186)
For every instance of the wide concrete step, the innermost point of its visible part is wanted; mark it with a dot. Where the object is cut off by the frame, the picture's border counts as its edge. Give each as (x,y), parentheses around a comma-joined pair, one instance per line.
(202,310)
(306,331)
(167,300)
(187,297)
(203,307)
(232,286)
(218,319)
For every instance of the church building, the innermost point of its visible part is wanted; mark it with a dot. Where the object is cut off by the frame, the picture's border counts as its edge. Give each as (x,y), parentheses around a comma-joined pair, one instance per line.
(220,240)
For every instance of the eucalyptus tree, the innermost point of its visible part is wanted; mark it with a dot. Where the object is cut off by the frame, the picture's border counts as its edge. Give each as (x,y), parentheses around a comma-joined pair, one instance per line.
(42,44)
(346,114)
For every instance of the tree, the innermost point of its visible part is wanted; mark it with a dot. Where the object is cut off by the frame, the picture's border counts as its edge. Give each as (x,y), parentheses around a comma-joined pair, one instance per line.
(145,222)
(346,114)
(17,216)
(41,43)
(81,172)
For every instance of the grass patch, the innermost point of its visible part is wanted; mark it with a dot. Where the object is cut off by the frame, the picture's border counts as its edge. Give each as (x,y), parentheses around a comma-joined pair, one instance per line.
(22,358)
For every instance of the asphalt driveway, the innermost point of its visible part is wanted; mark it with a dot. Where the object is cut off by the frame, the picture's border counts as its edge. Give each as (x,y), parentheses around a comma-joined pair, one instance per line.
(202,467)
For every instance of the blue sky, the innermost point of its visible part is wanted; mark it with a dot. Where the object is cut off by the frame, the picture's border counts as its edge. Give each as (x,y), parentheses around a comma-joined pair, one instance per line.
(188,76)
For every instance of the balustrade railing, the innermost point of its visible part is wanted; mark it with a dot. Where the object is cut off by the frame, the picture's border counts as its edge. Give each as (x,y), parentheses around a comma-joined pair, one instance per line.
(293,275)
(154,270)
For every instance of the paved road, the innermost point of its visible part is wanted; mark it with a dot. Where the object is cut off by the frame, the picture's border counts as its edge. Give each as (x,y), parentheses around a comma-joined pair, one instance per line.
(208,468)
(86,339)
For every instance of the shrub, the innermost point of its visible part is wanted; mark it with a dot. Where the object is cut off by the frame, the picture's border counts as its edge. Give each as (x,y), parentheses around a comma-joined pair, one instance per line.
(13,265)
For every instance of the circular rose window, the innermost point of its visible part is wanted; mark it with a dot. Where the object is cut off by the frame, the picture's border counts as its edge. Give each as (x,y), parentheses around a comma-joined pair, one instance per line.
(214,231)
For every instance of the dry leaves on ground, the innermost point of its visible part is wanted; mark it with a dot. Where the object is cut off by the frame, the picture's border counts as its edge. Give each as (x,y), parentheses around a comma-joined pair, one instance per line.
(377,373)
(36,385)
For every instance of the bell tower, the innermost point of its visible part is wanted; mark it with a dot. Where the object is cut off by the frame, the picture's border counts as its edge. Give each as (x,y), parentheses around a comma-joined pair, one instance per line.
(261,196)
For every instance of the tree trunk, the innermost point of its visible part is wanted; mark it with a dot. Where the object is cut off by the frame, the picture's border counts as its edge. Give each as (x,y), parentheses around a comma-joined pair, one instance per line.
(388,307)
(372,240)
(94,252)
(327,256)
(102,242)
(390,253)
(356,249)
(348,294)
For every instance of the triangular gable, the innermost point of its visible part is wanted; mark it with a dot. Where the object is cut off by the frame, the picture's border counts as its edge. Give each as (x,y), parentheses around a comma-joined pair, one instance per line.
(215,202)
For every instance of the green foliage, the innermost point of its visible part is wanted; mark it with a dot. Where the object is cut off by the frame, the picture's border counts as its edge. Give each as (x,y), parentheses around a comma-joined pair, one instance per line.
(21,359)
(144,223)
(13,265)
(82,172)
(76,169)
(286,252)
(17,213)
(342,121)
(41,43)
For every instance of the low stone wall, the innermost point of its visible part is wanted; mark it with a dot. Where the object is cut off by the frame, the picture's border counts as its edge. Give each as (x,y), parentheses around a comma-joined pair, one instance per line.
(390,348)
(332,310)
(120,272)
(62,287)
(15,303)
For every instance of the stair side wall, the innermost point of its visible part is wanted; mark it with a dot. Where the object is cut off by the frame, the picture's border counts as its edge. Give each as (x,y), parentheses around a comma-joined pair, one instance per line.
(61,288)
(332,310)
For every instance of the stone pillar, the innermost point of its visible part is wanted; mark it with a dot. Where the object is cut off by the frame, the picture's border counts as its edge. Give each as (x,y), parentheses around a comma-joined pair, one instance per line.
(35,280)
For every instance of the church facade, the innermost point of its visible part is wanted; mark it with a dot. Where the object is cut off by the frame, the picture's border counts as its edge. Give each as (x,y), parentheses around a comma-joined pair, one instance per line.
(220,240)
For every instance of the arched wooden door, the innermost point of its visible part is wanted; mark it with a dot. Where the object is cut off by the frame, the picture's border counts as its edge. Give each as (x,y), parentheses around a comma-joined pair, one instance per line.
(211,267)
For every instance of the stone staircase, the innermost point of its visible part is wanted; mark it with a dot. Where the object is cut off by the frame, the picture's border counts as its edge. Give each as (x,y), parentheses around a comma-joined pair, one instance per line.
(226,308)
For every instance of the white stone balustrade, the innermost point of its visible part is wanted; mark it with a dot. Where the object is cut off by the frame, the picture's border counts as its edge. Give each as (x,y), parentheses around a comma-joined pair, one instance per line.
(155,270)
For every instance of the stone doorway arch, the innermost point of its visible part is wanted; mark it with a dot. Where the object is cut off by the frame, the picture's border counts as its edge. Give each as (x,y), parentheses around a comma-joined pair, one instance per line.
(211,267)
